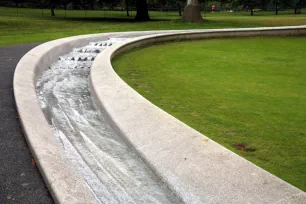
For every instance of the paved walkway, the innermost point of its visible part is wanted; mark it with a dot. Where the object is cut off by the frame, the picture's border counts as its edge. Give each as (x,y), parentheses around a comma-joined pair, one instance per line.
(20,180)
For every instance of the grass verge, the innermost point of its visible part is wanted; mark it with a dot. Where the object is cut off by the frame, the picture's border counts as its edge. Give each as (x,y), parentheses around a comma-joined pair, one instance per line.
(248,94)
(35,25)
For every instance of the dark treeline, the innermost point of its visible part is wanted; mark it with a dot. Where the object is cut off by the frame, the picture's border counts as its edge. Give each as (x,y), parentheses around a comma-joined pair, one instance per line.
(142,6)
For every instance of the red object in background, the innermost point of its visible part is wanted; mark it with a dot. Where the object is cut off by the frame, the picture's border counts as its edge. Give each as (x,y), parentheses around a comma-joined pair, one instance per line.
(213,7)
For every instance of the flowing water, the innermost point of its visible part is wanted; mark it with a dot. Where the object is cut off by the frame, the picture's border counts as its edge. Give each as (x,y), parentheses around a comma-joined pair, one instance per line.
(111,169)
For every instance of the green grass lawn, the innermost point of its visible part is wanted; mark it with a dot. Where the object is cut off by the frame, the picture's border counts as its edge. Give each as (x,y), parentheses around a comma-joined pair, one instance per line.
(35,25)
(248,94)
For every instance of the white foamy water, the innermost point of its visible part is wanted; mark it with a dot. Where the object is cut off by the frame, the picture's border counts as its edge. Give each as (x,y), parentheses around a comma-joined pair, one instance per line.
(111,169)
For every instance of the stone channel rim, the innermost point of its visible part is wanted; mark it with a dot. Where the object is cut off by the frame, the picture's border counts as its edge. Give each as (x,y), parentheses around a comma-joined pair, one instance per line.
(49,157)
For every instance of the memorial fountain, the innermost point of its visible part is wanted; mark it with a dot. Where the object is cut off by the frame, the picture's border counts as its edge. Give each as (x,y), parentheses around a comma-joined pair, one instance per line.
(112,170)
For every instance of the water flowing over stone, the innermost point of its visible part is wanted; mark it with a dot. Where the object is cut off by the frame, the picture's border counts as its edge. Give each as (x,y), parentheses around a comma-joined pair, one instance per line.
(114,172)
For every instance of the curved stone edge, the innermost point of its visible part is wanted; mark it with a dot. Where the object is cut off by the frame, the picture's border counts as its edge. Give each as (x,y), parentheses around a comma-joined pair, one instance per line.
(61,179)
(196,168)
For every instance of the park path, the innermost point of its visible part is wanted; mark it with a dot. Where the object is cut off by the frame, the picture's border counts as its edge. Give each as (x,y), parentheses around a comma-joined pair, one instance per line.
(20,180)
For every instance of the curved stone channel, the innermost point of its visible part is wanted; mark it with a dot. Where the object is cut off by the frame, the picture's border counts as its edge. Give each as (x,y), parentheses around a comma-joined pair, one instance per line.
(114,173)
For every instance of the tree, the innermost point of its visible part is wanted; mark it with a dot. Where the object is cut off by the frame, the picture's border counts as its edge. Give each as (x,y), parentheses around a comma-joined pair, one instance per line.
(127,7)
(222,2)
(298,6)
(263,4)
(142,10)
(279,3)
(250,4)
(17,2)
(276,3)
(55,3)
(178,3)
(192,12)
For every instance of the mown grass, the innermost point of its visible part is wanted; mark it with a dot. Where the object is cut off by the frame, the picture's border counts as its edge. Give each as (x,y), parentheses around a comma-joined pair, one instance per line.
(30,26)
(248,94)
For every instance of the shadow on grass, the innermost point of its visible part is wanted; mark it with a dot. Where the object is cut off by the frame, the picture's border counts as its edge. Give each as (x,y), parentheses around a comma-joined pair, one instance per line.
(205,23)
(105,19)
(172,23)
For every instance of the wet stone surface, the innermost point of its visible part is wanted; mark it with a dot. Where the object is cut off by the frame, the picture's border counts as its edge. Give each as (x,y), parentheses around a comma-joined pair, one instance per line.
(114,172)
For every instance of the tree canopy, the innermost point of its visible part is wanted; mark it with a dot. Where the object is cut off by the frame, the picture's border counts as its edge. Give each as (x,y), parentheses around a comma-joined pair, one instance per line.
(142,5)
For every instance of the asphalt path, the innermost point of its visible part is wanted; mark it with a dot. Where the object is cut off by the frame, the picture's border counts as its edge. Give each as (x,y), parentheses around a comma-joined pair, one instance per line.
(20,180)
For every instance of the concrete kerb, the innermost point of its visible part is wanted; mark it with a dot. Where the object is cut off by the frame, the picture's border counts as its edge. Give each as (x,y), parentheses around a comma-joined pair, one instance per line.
(63,182)
(61,179)
(196,168)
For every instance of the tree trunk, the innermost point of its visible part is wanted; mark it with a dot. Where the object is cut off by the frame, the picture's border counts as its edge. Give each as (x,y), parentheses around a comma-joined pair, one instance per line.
(179,9)
(252,13)
(85,7)
(127,7)
(192,12)
(276,8)
(17,9)
(142,11)
(52,10)
(298,7)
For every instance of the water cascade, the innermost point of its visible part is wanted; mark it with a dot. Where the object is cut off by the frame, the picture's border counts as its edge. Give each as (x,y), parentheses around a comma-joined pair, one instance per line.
(114,172)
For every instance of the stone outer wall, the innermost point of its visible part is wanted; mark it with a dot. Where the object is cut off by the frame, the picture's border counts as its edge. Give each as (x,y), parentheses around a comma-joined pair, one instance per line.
(209,174)
(61,179)
(196,168)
